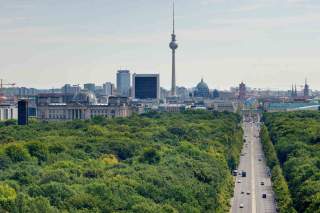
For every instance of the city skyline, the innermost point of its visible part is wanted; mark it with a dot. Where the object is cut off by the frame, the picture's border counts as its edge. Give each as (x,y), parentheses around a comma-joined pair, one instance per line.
(267,44)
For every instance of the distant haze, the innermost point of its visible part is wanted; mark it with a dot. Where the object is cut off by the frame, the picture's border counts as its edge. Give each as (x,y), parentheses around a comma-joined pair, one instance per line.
(266,43)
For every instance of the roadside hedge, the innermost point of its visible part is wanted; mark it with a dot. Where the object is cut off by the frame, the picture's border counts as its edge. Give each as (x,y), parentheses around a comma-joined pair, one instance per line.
(280,186)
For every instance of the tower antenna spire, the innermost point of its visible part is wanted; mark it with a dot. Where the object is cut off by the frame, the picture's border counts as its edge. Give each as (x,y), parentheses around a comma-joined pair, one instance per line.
(173,17)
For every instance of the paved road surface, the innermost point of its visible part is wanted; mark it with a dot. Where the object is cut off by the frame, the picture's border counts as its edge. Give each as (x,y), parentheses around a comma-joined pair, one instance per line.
(249,192)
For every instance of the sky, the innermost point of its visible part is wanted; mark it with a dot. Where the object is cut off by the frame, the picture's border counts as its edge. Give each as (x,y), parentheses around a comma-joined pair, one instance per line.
(268,44)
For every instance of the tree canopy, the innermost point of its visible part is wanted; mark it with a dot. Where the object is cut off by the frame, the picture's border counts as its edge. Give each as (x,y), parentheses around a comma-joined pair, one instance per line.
(296,139)
(157,162)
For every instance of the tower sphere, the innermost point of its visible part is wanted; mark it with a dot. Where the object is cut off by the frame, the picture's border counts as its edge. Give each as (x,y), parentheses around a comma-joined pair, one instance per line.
(173,45)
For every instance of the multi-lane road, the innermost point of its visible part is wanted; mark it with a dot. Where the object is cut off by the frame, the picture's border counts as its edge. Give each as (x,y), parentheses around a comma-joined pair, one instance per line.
(253,193)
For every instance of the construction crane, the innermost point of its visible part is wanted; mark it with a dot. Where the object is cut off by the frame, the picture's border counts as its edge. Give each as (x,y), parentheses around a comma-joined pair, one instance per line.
(7,84)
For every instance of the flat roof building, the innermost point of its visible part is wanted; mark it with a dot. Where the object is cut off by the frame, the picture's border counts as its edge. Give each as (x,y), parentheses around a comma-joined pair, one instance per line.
(146,86)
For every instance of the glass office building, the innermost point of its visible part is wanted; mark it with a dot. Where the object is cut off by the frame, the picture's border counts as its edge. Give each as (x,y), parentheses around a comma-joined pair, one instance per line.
(146,86)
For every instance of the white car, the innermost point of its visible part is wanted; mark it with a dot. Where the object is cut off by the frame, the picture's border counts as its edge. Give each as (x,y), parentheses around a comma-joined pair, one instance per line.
(239,181)
(241,206)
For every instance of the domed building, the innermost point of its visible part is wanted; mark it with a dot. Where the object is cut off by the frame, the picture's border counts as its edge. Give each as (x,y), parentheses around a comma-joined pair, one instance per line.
(81,106)
(202,90)
(85,98)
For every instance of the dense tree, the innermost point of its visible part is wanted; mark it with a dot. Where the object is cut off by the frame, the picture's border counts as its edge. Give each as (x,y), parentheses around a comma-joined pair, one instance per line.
(156,162)
(295,136)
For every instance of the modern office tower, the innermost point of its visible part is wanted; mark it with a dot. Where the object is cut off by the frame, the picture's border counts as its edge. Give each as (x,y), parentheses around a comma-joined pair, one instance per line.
(173,46)
(123,83)
(22,112)
(242,91)
(90,87)
(146,86)
(108,89)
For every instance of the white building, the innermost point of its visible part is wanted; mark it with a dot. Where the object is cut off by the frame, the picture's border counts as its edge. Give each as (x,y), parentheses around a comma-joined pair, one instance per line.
(8,112)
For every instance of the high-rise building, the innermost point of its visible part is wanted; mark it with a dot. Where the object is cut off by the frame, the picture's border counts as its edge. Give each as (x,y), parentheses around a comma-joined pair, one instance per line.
(242,91)
(173,46)
(90,87)
(108,88)
(123,83)
(146,86)
(22,112)
(306,89)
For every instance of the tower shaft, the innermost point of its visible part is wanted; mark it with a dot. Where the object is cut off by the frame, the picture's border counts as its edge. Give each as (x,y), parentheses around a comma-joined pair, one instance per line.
(173,46)
(173,85)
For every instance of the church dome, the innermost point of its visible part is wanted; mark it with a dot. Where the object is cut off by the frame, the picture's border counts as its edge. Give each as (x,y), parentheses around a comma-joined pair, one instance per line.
(202,89)
(202,85)
(85,98)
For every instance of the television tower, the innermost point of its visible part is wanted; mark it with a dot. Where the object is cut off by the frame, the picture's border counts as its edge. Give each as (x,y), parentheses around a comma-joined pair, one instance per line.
(173,46)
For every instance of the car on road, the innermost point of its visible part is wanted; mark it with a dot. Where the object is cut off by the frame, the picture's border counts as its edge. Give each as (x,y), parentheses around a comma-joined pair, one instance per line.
(248,193)
(242,193)
(244,174)
(241,206)
(239,181)
(262,183)
(264,195)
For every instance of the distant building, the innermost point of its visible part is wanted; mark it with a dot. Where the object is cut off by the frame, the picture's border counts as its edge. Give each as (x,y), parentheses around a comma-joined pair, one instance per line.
(242,91)
(182,93)
(123,83)
(108,89)
(90,87)
(23,112)
(71,89)
(82,107)
(289,106)
(164,93)
(225,106)
(54,98)
(202,90)
(306,90)
(146,86)
(215,94)
(8,111)
(172,108)
(119,101)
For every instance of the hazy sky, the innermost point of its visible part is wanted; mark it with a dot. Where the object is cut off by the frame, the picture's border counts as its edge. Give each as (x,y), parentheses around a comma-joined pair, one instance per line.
(266,43)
